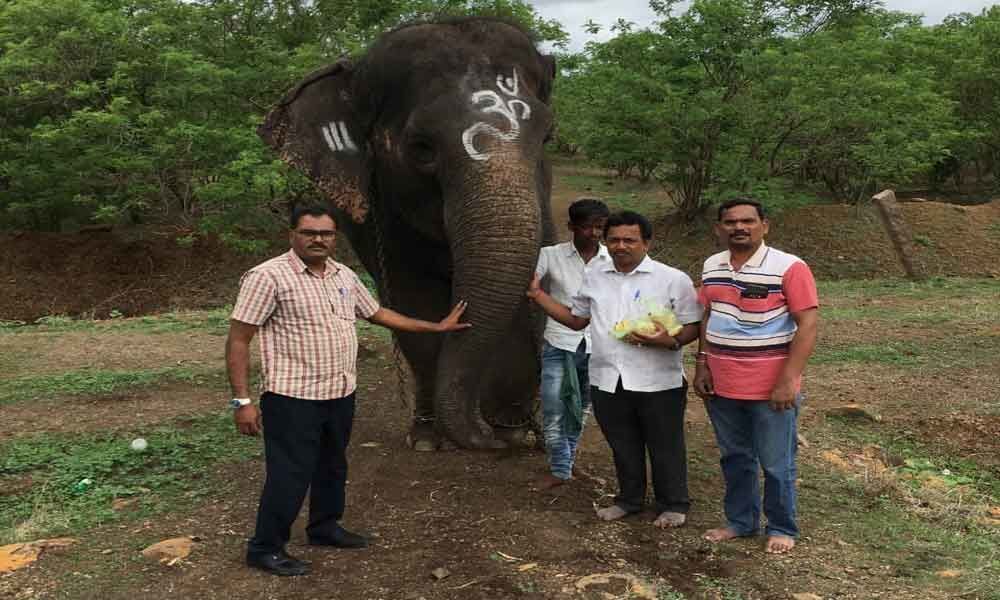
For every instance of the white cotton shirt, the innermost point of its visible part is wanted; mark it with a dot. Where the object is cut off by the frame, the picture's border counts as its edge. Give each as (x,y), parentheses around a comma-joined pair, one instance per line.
(562,267)
(608,296)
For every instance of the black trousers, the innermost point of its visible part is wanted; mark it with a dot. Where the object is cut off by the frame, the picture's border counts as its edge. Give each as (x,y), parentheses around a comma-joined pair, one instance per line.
(634,423)
(304,448)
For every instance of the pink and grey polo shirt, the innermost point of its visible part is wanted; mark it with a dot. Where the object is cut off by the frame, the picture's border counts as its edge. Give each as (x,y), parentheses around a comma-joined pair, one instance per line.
(750,326)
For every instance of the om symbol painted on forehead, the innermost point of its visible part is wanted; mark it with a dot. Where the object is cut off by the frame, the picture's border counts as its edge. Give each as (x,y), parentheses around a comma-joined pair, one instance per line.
(514,110)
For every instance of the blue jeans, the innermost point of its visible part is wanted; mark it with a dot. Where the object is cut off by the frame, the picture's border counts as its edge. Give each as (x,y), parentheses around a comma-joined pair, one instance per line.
(752,437)
(561,448)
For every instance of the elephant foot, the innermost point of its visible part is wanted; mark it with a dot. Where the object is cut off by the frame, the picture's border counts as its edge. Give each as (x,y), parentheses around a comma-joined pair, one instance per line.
(422,437)
(515,437)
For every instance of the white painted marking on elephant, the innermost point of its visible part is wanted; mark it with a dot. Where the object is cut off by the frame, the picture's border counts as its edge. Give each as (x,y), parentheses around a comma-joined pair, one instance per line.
(525,112)
(337,138)
(509,110)
(508,85)
(348,142)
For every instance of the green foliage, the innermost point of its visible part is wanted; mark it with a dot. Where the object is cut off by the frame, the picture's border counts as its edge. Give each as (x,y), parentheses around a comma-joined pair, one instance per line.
(145,110)
(777,98)
(176,461)
(96,382)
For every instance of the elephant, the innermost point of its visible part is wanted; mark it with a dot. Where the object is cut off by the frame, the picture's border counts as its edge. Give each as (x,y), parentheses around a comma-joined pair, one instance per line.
(430,149)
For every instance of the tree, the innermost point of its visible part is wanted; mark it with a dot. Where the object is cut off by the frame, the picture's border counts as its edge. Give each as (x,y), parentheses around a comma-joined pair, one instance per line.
(145,110)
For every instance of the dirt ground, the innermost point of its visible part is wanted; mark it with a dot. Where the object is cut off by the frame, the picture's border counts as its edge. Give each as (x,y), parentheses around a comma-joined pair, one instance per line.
(478,515)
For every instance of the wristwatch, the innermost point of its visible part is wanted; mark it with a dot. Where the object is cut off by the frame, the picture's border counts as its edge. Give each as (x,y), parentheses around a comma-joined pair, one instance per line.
(239,402)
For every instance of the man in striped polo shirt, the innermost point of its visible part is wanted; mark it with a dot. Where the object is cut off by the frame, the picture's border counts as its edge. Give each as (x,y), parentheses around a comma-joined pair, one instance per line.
(304,304)
(757,333)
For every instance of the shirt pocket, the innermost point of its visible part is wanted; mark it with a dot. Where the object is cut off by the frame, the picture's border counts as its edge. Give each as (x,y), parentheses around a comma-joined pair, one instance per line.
(342,302)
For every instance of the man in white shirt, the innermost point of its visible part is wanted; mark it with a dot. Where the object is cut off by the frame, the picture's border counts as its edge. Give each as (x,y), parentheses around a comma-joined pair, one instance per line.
(565,352)
(639,393)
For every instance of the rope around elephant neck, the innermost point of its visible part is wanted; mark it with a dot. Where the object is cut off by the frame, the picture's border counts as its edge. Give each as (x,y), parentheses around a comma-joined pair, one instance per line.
(399,363)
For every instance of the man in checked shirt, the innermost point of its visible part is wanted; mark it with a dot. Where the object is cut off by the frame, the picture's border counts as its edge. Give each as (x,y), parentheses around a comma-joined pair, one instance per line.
(304,305)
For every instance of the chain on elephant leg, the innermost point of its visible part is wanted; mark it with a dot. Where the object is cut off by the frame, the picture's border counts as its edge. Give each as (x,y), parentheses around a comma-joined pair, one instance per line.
(423,436)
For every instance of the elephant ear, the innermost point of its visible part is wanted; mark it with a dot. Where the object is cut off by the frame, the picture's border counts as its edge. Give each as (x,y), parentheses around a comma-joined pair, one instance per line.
(314,129)
(549,70)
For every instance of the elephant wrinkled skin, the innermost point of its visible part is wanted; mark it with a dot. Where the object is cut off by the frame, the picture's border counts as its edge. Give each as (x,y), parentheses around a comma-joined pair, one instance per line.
(430,147)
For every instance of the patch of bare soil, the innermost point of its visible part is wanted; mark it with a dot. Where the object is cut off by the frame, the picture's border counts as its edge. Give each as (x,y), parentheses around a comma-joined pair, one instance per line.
(132,410)
(143,271)
(475,515)
(93,273)
(970,436)
(96,349)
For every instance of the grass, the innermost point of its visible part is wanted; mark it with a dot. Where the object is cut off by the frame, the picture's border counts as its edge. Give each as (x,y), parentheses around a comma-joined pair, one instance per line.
(900,354)
(930,351)
(914,548)
(171,470)
(934,324)
(98,382)
(621,194)
(212,321)
(917,457)
(898,521)
(932,289)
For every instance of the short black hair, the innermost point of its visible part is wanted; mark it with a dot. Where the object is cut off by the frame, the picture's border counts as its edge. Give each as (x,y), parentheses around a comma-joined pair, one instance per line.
(585,209)
(628,217)
(313,210)
(742,201)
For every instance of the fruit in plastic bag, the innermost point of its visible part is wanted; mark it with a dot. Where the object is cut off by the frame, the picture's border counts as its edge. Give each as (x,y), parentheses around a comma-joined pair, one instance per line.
(646,324)
(667,319)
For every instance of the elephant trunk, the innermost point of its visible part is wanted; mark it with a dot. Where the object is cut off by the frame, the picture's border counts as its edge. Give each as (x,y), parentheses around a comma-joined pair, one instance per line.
(495,229)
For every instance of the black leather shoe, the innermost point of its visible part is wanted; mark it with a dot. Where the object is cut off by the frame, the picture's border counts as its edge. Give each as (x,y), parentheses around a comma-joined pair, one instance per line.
(278,564)
(291,559)
(341,539)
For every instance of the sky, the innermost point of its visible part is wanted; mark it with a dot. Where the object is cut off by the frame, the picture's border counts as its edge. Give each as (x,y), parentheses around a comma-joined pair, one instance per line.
(574,13)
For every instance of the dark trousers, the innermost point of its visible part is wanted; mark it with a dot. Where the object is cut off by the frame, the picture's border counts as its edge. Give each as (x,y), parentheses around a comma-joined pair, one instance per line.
(636,422)
(304,448)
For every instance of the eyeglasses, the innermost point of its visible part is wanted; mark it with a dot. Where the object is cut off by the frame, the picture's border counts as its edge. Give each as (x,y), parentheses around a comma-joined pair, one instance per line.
(326,234)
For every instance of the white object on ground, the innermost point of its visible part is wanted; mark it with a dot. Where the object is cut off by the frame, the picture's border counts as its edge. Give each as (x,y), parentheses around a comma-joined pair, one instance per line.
(139,444)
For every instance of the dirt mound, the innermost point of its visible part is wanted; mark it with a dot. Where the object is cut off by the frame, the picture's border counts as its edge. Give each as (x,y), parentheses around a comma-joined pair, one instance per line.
(135,272)
(96,273)
(847,242)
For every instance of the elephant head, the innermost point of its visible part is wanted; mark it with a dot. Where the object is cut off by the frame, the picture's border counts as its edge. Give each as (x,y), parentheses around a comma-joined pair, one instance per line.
(439,127)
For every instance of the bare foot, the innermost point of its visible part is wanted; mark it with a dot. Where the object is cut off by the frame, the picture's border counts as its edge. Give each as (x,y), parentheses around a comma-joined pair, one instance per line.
(720,534)
(549,481)
(670,519)
(610,513)
(779,544)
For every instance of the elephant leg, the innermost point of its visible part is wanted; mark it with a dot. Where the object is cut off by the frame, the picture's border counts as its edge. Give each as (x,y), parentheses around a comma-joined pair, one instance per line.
(424,299)
(421,354)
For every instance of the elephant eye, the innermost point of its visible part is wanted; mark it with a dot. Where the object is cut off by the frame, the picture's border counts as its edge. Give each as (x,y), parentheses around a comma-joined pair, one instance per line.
(422,152)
